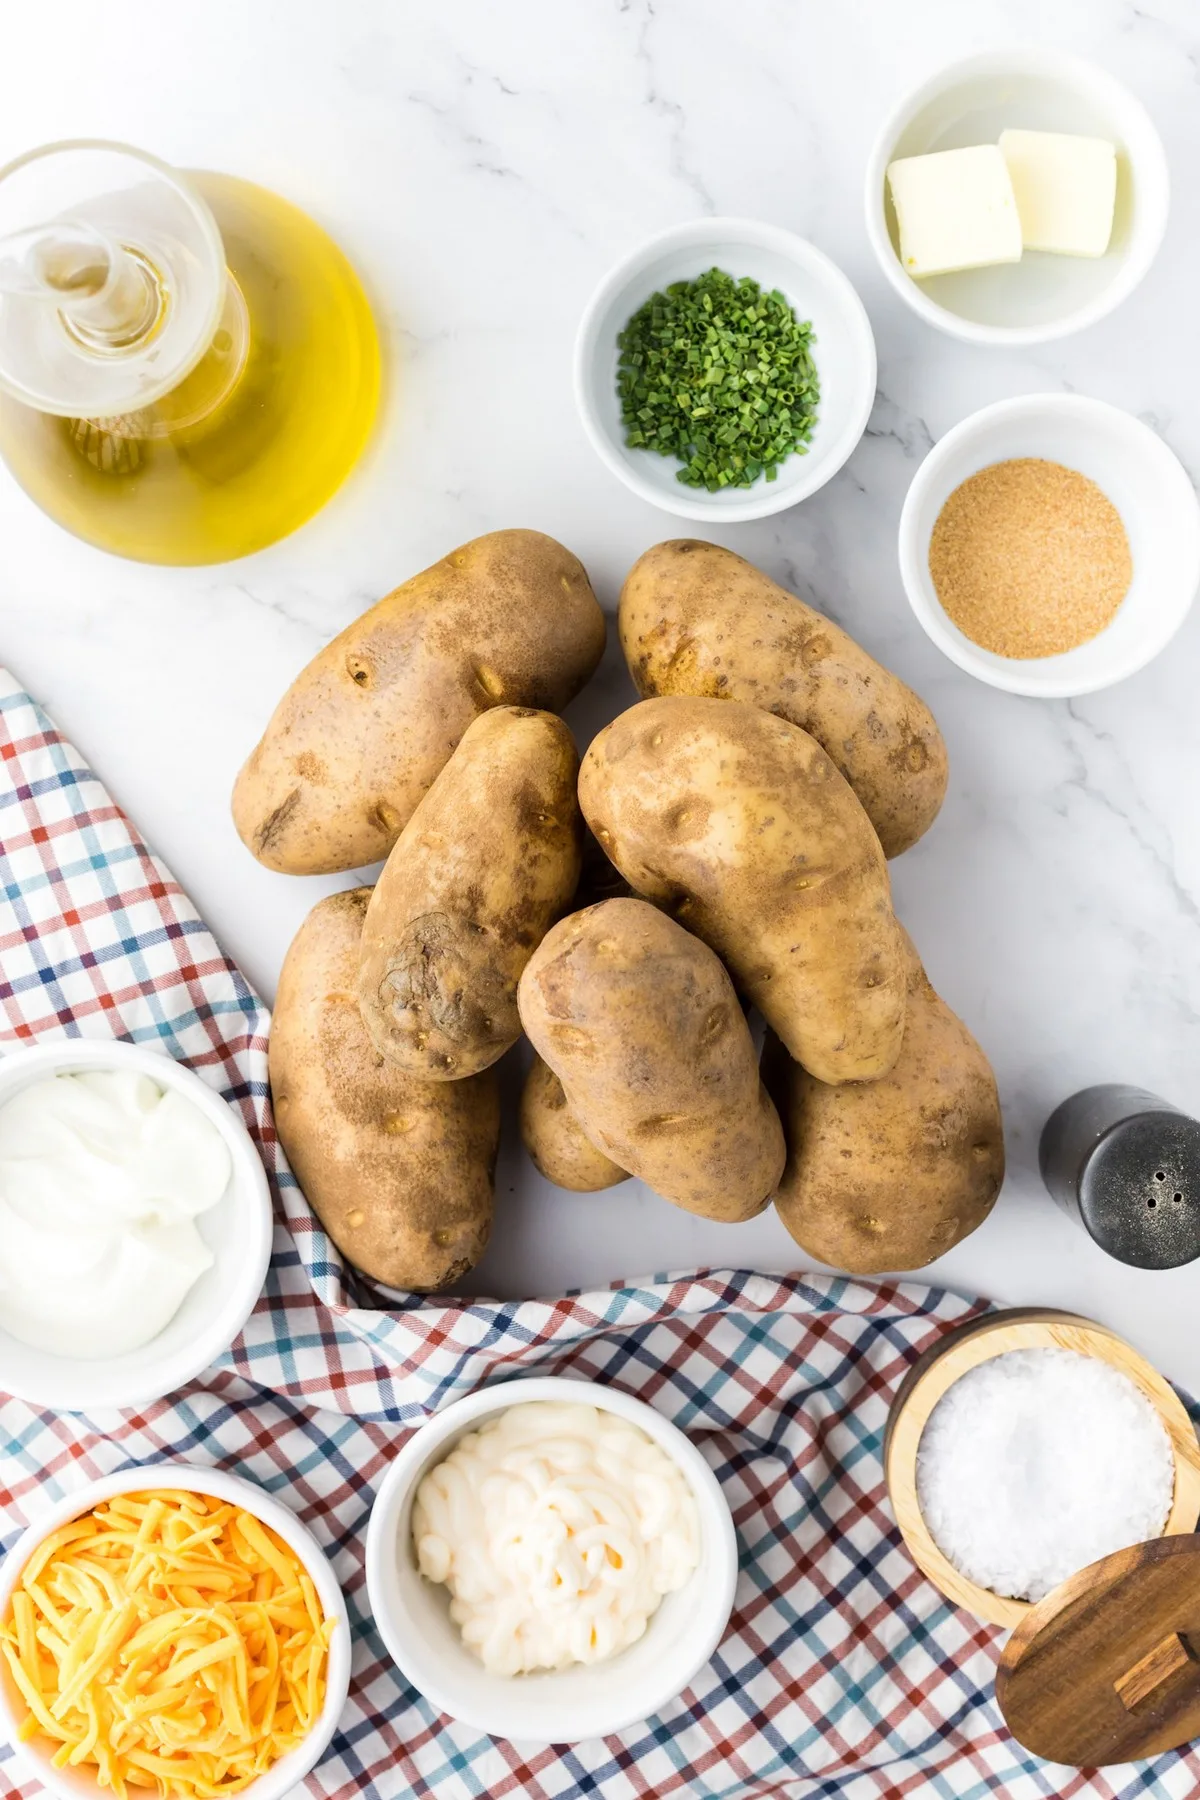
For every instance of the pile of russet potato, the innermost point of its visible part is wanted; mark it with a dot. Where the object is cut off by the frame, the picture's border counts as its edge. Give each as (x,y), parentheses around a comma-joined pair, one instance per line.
(746,808)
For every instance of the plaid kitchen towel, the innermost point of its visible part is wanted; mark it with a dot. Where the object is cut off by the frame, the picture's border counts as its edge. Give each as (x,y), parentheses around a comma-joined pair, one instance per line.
(842,1673)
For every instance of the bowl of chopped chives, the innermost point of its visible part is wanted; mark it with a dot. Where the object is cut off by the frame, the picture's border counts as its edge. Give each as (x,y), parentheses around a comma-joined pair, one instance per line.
(725,370)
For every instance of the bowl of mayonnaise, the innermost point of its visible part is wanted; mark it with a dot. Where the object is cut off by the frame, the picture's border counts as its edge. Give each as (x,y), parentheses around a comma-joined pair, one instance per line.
(135,1224)
(550,1560)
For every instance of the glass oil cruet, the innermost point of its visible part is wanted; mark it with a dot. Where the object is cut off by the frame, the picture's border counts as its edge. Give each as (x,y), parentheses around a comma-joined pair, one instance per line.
(188,365)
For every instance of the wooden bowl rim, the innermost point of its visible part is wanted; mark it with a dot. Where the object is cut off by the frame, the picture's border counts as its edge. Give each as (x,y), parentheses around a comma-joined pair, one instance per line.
(965,1348)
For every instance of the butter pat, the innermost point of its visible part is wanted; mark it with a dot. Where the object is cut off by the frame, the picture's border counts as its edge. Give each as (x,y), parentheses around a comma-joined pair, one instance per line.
(1066,189)
(956,210)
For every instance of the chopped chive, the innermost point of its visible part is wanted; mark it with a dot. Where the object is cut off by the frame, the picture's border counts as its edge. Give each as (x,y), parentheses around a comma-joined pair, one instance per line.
(720,376)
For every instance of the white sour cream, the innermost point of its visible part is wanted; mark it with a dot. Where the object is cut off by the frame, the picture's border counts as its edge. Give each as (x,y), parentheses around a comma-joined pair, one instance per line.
(102,1176)
(558,1528)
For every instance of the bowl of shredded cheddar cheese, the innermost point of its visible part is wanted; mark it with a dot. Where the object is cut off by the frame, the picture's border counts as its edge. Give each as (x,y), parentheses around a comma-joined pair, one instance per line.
(170,1630)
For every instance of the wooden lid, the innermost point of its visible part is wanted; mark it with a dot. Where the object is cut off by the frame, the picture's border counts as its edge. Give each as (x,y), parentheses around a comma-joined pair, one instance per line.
(1106,1669)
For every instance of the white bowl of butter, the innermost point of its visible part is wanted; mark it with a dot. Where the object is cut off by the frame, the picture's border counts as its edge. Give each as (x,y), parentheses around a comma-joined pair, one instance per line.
(135,1225)
(1004,95)
(579,1519)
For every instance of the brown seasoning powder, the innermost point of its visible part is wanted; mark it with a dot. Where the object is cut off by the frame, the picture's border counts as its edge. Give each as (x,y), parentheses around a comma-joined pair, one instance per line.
(1029,558)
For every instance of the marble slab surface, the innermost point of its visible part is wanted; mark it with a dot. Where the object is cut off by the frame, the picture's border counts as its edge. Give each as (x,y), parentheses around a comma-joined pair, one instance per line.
(484,165)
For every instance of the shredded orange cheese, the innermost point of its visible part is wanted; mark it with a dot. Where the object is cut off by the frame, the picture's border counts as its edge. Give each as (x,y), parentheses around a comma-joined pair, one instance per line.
(170,1641)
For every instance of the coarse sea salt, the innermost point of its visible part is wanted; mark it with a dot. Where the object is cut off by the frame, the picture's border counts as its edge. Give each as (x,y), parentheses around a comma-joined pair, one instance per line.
(1039,1462)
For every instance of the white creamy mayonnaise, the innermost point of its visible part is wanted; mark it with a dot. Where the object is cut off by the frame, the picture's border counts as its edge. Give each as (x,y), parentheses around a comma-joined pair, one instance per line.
(558,1528)
(101,1178)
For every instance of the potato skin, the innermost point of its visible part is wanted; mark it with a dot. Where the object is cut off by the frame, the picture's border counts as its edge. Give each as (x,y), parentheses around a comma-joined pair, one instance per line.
(398,1171)
(640,1023)
(888,1175)
(358,738)
(696,619)
(740,825)
(487,863)
(558,1146)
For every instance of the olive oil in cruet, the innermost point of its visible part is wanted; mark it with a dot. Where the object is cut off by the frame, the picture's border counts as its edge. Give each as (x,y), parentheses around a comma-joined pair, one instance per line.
(189,367)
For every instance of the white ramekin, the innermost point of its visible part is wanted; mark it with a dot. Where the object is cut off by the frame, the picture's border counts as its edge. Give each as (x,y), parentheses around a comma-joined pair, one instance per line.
(843,351)
(972,102)
(237,1231)
(282,1777)
(1145,482)
(562,1706)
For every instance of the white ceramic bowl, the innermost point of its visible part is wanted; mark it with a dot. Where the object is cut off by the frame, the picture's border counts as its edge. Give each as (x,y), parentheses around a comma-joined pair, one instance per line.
(237,1231)
(1029,88)
(282,1777)
(843,351)
(1145,482)
(561,1706)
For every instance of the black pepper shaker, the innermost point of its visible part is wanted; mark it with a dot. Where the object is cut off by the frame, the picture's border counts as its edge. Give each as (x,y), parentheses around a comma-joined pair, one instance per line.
(1126,1165)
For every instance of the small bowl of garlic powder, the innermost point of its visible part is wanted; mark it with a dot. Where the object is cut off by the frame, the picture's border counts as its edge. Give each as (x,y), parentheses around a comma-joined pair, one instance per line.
(550,1560)
(1050,545)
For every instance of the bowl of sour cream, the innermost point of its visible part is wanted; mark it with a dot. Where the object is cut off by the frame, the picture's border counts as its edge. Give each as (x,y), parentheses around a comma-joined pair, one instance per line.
(135,1225)
(549,1560)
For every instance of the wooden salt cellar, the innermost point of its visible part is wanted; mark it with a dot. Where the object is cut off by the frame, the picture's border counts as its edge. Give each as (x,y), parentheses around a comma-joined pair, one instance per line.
(1106,1668)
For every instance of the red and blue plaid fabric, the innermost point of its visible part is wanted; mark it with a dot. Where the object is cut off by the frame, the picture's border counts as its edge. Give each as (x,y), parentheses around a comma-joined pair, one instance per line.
(842,1674)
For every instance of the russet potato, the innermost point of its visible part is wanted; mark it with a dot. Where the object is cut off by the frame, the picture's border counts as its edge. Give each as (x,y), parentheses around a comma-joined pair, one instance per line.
(640,1023)
(696,619)
(889,1174)
(508,619)
(739,823)
(399,1171)
(487,863)
(558,1146)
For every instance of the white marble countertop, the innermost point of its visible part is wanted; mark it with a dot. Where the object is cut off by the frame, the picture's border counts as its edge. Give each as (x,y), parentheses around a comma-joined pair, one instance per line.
(484,165)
